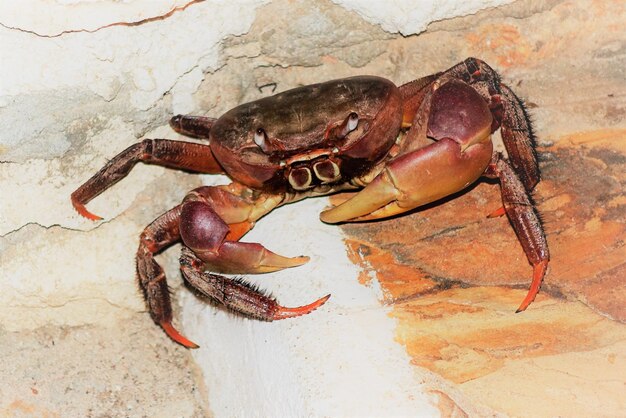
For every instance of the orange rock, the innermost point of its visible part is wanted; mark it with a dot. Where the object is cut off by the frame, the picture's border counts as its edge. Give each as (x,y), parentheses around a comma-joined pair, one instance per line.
(454,279)
(504,40)
(453,244)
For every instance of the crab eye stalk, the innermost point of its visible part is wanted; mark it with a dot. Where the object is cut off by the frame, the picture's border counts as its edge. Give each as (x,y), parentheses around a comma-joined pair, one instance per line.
(260,138)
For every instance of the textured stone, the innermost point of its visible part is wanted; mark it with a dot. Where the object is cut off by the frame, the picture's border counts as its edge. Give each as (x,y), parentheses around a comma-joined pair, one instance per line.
(95,82)
(81,81)
(412,17)
(95,371)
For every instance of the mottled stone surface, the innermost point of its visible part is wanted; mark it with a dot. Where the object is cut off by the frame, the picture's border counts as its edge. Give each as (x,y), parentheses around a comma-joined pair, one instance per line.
(450,277)
(92,371)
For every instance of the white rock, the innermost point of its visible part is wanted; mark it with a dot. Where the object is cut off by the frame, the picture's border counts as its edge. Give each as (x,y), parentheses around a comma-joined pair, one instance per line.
(413,16)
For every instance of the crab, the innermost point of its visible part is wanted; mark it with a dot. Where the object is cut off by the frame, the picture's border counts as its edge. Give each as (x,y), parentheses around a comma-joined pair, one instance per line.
(399,147)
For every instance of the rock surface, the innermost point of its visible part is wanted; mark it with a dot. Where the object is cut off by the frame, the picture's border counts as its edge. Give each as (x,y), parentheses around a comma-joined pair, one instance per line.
(96,371)
(450,278)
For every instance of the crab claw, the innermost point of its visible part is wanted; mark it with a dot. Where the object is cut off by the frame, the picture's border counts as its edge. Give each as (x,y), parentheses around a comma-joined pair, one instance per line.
(284,313)
(176,336)
(414,179)
(247,257)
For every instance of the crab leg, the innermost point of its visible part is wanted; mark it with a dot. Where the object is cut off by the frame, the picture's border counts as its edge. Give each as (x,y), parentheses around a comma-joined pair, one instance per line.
(525,220)
(413,94)
(161,233)
(518,138)
(164,152)
(192,126)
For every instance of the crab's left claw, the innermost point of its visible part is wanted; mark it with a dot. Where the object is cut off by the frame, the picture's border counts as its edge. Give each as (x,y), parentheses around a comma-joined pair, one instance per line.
(415,179)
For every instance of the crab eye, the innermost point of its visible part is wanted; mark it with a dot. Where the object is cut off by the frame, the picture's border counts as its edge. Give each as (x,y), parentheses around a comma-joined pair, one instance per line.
(260,138)
(348,125)
(353,121)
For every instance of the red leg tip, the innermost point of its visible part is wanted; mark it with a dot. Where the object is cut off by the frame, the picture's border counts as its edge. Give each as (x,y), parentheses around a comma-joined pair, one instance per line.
(175,335)
(284,313)
(539,271)
(497,213)
(82,211)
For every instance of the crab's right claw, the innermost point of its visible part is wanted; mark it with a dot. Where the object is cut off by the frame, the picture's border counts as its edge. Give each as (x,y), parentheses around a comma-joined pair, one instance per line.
(461,151)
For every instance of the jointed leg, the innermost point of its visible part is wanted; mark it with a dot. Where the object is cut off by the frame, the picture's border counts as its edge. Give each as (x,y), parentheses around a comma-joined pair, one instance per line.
(524,218)
(192,126)
(518,138)
(164,152)
(413,94)
(161,233)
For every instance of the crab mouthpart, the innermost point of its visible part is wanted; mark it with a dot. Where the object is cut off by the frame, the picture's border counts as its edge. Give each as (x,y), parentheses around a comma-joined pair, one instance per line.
(327,171)
(300,178)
